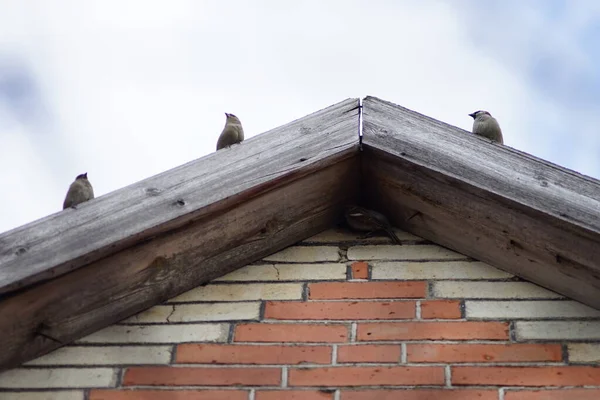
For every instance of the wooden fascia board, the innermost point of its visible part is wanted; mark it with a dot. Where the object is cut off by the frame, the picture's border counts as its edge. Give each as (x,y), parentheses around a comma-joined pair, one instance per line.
(79,270)
(514,211)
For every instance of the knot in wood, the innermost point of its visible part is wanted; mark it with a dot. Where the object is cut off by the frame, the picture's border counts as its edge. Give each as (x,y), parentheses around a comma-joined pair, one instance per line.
(153,191)
(21,250)
(180,202)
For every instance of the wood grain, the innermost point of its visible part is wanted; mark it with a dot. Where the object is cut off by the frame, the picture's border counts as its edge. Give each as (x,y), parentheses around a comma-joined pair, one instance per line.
(69,239)
(496,204)
(266,194)
(104,292)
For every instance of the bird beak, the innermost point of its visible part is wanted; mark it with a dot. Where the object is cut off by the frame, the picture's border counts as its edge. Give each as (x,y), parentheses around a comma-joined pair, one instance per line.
(472,115)
(85,175)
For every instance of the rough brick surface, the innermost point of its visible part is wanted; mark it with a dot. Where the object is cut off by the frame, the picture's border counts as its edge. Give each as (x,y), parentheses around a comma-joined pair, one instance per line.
(310,333)
(483,353)
(336,310)
(526,376)
(369,353)
(246,291)
(584,352)
(30,378)
(433,331)
(360,270)
(159,334)
(440,309)
(199,376)
(560,394)
(436,270)
(367,290)
(45,395)
(363,376)
(185,394)
(395,252)
(528,309)
(337,317)
(197,312)
(305,254)
(288,272)
(294,395)
(106,355)
(558,330)
(420,394)
(252,354)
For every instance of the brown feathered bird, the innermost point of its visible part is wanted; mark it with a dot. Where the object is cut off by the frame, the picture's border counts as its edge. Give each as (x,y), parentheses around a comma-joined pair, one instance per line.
(487,126)
(80,190)
(362,219)
(232,132)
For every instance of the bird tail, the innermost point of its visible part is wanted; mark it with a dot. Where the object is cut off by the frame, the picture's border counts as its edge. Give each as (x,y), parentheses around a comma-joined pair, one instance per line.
(392,234)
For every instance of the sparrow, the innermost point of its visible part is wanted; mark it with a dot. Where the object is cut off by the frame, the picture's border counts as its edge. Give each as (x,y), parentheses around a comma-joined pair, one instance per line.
(232,132)
(362,219)
(80,190)
(485,125)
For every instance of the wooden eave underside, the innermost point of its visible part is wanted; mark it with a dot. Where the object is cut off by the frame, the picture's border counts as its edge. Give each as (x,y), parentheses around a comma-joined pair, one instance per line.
(496,204)
(76,271)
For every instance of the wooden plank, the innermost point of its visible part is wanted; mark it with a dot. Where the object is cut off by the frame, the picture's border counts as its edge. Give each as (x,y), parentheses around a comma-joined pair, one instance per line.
(108,290)
(262,196)
(200,189)
(491,202)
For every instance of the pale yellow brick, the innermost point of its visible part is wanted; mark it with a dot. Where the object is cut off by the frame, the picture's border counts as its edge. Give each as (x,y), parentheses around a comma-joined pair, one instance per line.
(336,236)
(584,352)
(159,334)
(528,309)
(197,312)
(557,330)
(437,270)
(404,252)
(25,378)
(305,254)
(113,355)
(54,395)
(247,291)
(491,290)
(287,272)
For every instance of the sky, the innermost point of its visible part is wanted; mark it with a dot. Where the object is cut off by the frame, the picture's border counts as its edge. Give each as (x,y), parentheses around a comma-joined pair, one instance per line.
(126,89)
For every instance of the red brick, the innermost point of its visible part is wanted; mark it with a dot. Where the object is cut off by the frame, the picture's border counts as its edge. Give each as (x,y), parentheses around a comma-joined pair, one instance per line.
(366,290)
(196,376)
(420,394)
(441,309)
(466,330)
(360,270)
(307,333)
(252,354)
(482,353)
(369,353)
(346,310)
(359,376)
(560,394)
(294,395)
(526,376)
(106,394)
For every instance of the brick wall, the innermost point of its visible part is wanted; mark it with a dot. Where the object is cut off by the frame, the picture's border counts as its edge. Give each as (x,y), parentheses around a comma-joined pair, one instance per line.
(338,318)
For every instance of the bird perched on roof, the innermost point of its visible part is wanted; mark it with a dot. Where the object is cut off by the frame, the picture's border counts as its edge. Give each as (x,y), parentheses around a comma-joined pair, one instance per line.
(232,132)
(80,190)
(485,125)
(362,219)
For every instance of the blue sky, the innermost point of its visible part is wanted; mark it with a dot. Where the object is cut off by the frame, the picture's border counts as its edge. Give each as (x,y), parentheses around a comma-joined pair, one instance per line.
(127,89)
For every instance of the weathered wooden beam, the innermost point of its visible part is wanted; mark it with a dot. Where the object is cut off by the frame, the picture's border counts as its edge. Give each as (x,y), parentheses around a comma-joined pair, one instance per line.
(123,252)
(491,202)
